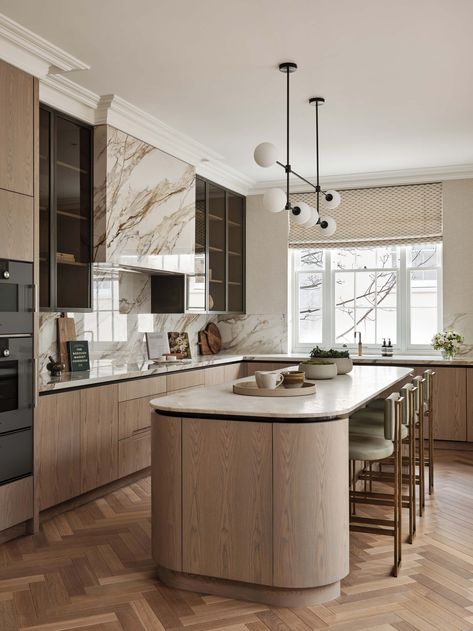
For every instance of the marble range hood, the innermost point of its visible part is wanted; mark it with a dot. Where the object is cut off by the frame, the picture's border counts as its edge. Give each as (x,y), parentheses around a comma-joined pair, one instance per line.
(144,205)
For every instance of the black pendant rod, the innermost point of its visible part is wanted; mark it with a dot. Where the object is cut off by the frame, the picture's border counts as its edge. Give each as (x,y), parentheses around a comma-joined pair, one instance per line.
(288,165)
(317,153)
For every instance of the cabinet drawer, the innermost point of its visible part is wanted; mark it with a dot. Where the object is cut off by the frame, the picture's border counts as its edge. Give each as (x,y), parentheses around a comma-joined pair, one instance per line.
(252,367)
(134,415)
(235,371)
(137,388)
(183,380)
(134,453)
(16,500)
(214,376)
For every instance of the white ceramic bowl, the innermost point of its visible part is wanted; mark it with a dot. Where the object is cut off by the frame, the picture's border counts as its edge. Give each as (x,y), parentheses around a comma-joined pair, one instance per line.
(344,364)
(319,371)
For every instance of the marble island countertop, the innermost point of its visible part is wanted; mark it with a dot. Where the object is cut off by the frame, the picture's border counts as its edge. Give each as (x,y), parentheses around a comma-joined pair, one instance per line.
(334,398)
(106,371)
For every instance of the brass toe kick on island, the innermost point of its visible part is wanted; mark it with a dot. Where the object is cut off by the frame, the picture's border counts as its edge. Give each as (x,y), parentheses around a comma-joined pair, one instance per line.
(251,508)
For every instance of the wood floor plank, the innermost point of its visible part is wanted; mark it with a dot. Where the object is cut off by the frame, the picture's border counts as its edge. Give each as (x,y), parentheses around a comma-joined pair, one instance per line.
(91,568)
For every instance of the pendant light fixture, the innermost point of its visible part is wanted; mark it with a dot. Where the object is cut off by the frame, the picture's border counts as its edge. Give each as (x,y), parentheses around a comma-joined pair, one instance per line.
(275,199)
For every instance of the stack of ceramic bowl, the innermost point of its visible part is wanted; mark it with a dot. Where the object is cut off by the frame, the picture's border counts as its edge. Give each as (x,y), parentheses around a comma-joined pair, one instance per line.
(319,368)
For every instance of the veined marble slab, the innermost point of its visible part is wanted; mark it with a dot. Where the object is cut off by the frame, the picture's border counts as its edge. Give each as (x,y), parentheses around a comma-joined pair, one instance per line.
(144,204)
(334,399)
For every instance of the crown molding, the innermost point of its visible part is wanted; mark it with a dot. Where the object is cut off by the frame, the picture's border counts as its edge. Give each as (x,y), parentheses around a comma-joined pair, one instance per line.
(374,178)
(63,94)
(69,97)
(22,48)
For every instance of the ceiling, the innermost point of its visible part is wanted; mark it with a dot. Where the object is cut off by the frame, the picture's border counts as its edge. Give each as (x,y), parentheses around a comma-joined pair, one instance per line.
(397,75)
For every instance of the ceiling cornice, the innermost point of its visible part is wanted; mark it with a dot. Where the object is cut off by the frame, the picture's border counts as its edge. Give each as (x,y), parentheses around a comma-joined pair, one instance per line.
(22,48)
(374,178)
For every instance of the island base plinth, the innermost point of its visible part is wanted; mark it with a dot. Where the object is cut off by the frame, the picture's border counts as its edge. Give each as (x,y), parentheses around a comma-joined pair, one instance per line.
(276,597)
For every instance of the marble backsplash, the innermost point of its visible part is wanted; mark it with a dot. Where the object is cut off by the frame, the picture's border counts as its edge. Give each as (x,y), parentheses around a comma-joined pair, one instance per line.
(115,329)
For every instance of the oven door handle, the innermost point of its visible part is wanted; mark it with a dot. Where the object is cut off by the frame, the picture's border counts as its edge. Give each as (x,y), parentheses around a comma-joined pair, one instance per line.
(35,298)
(35,383)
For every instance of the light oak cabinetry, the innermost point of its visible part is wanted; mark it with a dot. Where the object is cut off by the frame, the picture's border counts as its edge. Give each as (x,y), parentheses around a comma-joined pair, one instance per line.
(182,380)
(227,499)
(134,423)
(16,501)
(252,367)
(16,216)
(58,448)
(99,436)
(469,404)
(17,105)
(449,403)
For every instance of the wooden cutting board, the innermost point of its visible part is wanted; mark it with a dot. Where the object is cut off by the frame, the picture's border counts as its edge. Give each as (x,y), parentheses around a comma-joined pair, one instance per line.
(214,338)
(66,332)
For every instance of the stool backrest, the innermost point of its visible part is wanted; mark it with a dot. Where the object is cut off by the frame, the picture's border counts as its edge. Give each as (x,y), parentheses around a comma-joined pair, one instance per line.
(393,413)
(409,393)
(429,378)
(419,382)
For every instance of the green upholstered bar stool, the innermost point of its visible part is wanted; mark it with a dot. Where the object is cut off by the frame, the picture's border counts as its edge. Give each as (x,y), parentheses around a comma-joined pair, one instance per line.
(369,448)
(370,421)
(417,435)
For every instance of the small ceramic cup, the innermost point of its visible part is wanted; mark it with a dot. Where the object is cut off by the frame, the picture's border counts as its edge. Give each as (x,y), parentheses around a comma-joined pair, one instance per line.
(268,380)
(293,379)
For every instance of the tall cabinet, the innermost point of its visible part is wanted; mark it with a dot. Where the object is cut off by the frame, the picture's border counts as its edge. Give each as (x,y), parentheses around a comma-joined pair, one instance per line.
(219,283)
(65,212)
(19,108)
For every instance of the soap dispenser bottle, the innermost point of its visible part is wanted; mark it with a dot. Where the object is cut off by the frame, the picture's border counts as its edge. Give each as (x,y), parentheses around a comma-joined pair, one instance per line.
(390,348)
(384,351)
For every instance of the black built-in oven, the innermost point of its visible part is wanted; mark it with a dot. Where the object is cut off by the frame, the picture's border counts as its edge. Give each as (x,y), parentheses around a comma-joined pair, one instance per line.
(16,407)
(16,297)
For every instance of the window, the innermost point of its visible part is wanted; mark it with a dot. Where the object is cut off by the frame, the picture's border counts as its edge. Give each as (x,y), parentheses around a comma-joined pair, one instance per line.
(106,323)
(388,292)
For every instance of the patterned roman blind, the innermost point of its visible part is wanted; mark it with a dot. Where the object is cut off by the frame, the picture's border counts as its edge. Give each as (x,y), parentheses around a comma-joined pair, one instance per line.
(370,217)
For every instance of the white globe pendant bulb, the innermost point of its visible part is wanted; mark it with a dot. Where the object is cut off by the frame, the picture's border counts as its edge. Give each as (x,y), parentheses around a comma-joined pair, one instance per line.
(301,213)
(327,226)
(274,200)
(314,217)
(266,154)
(333,201)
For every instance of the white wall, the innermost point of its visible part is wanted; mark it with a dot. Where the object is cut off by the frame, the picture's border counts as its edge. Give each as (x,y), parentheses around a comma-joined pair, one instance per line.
(266,258)
(457,258)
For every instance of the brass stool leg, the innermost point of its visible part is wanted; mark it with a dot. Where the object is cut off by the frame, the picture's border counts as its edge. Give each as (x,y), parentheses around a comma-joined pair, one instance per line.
(431,451)
(421,464)
(412,483)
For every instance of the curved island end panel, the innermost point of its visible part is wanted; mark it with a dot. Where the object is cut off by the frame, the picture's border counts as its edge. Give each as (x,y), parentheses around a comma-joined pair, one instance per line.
(250,496)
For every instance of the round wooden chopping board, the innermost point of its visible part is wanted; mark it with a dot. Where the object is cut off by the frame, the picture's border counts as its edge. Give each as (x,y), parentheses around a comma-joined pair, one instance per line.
(214,338)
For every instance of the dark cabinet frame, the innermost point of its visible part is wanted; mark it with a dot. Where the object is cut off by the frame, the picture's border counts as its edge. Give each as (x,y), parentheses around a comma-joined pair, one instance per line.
(243,246)
(53,237)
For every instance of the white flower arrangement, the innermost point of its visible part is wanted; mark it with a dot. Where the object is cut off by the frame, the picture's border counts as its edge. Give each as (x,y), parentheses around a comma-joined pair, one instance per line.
(448,342)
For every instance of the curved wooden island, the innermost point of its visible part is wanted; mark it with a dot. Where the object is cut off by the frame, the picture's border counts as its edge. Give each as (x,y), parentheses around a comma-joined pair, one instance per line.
(250,495)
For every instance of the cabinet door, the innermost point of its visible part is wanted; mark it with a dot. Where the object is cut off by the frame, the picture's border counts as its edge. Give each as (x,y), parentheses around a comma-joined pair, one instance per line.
(227,499)
(214,376)
(469,404)
(99,436)
(58,440)
(449,403)
(16,130)
(16,219)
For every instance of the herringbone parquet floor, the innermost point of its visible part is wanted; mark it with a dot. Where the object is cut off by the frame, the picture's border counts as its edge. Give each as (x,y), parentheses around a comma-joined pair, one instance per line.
(90,568)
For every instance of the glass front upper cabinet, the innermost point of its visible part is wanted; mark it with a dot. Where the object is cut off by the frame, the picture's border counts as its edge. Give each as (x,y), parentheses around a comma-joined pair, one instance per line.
(65,212)
(218,284)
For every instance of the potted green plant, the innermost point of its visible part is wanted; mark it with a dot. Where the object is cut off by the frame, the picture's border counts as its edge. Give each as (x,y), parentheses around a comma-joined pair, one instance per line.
(341,358)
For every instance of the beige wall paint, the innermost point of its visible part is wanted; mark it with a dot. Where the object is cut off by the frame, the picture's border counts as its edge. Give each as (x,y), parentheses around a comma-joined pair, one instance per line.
(457,252)
(266,258)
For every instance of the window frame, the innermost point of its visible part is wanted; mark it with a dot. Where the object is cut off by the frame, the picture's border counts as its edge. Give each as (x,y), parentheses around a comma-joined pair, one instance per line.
(403,345)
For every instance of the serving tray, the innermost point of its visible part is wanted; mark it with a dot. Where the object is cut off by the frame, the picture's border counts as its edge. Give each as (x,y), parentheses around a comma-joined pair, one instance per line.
(250,389)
